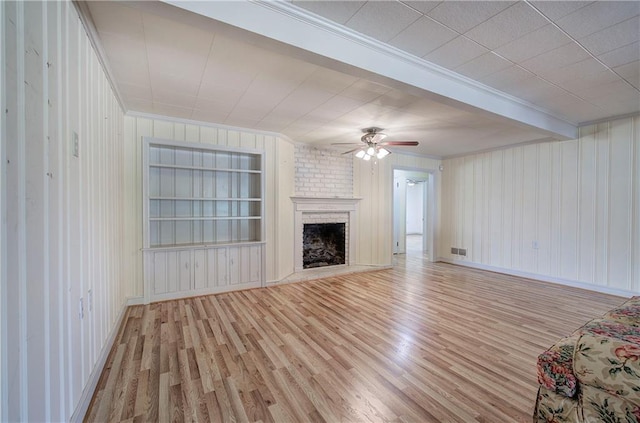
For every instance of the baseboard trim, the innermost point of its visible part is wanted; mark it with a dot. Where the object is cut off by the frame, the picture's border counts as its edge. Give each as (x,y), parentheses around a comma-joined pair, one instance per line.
(543,278)
(87,393)
(131,301)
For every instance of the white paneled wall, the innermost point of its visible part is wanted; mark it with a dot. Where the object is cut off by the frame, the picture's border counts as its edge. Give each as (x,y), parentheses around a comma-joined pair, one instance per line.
(373,182)
(279,186)
(61,294)
(565,211)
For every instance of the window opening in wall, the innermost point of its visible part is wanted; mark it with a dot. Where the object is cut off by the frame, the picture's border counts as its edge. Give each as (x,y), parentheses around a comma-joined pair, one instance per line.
(323,244)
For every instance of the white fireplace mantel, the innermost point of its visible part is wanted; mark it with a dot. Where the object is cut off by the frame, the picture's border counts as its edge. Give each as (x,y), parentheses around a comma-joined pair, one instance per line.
(304,205)
(324,203)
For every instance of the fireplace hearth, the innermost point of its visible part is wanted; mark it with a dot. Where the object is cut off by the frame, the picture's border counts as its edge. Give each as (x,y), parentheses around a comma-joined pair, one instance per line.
(323,245)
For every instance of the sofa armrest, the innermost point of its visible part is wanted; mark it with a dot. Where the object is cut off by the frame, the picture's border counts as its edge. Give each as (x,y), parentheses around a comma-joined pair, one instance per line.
(555,367)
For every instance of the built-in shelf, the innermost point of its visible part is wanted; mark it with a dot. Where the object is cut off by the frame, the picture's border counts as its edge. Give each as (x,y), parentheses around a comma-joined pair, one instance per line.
(205,199)
(167,166)
(168,219)
(203,219)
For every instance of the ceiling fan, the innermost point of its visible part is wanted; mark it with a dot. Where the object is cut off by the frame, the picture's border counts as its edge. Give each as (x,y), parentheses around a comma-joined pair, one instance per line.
(374,145)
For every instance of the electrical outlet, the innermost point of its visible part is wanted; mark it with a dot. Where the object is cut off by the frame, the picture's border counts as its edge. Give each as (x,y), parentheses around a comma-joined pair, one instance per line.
(454,251)
(462,251)
(81,309)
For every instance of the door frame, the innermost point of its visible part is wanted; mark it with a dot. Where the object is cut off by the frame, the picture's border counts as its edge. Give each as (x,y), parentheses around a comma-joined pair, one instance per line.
(429,212)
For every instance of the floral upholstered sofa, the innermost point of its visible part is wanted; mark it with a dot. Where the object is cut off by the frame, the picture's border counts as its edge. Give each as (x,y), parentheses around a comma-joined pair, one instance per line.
(593,376)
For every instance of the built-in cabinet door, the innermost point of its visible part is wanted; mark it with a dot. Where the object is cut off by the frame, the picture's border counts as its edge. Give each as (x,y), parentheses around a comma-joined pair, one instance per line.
(178,270)
(184,273)
(235,265)
(217,267)
(250,259)
(201,269)
(245,264)
(200,265)
(170,271)
(158,272)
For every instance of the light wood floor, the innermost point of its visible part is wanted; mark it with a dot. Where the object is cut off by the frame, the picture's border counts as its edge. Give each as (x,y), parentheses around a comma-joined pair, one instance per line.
(417,343)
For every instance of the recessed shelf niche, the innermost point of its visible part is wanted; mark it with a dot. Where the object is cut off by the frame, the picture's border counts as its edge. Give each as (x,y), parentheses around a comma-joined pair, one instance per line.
(201,196)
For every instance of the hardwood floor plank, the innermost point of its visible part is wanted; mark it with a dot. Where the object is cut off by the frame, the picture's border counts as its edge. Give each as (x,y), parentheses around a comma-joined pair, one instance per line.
(421,342)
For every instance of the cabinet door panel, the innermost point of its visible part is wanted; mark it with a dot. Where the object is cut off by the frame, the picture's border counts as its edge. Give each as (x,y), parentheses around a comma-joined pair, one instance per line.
(245,264)
(184,260)
(173,269)
(200,264)
(255,268)
(235,276)
(217,267)
(251,263)
(158,277)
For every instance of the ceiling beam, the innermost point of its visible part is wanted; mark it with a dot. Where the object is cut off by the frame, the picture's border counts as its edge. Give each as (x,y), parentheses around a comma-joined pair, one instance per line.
(336,46)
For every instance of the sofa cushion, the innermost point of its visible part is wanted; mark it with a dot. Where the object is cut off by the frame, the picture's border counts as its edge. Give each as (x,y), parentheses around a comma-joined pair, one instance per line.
(596,405)
(609,362)
(628,313)
(552,407)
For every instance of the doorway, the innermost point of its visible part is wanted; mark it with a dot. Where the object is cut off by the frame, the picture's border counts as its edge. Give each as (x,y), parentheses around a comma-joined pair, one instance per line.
(412,216)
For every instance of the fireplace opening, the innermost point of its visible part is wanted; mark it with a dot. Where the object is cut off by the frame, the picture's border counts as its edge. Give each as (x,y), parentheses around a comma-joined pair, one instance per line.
(323,244)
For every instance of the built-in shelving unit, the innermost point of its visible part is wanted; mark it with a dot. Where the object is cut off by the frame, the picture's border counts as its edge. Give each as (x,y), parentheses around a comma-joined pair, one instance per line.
(203,218)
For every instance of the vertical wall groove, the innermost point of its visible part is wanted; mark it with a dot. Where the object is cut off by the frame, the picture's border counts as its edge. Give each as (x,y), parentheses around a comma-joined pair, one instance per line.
(19,163)
(45,177)
(607,207)
(579,198)
(631,223)
(3,224)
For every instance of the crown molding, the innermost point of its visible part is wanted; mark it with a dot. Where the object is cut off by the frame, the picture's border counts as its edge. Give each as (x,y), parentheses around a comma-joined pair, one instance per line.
(172,119)
(90,29)
(608,119)
(503,147)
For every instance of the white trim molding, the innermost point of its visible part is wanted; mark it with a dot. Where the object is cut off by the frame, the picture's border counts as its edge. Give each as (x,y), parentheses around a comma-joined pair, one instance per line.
(543,278)
(317,205)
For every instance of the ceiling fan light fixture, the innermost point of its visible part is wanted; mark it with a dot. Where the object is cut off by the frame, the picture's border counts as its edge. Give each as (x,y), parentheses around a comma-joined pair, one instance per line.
(372,146)
(382,153)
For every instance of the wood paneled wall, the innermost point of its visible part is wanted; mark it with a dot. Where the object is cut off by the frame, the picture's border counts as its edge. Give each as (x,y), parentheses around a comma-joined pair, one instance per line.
(579,200)
(279,186)
(373,182)
(63,213)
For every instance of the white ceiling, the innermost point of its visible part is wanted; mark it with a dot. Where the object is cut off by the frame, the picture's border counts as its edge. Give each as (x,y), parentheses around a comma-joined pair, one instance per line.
(458,76)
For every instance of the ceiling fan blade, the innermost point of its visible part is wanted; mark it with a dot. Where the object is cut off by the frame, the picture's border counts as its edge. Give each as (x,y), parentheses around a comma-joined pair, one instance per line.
(406,143)
(351,151)
(346,143)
